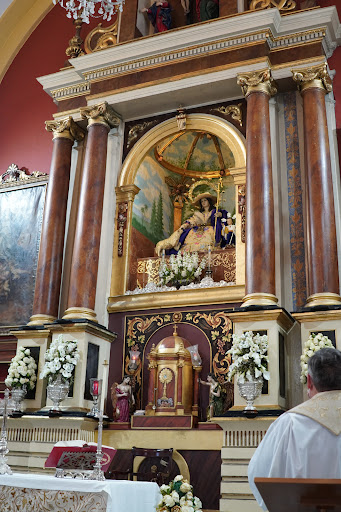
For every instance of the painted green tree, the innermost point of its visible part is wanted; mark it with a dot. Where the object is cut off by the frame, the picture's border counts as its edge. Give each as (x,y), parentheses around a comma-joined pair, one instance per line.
(159,218)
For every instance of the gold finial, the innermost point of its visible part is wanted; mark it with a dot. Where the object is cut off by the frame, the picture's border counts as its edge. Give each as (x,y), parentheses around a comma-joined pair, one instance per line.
(175,332)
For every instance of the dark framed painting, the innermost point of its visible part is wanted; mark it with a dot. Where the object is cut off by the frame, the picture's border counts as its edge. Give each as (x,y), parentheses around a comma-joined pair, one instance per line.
(21,215)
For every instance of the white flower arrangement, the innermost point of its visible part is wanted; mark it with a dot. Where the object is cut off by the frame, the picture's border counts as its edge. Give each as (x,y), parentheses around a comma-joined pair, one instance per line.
(249,356)
(22,370)
(60,359)
(314,343)
(184,266)
(177,496)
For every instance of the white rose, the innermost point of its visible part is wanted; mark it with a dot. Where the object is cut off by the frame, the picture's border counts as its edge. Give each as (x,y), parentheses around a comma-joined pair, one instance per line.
(185,487)
(178,478)
(168,500)
(164,488)
(175,496)
(197,503)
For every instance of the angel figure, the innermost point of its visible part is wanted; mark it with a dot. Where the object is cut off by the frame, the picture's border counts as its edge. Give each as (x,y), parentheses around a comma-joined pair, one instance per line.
(122,396)
(215,402)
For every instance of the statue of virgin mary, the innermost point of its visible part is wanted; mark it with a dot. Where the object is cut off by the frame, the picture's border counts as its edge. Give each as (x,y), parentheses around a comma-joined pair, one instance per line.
(201,230)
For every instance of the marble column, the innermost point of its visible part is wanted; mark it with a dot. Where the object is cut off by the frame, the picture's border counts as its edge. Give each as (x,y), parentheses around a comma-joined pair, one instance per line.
(322,272)
(50,260)
(260,288)
(84,265)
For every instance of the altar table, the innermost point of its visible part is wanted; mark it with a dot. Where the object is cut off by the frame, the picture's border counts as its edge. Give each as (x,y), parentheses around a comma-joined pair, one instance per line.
(22,492)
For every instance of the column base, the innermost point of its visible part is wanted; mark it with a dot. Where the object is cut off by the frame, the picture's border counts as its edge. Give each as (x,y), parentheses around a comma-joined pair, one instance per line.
(259,299)
(41,319)
(79,312)
(323,299)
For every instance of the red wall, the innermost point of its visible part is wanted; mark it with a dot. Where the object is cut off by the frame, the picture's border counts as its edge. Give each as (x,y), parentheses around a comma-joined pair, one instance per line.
(25,106)
(23,103)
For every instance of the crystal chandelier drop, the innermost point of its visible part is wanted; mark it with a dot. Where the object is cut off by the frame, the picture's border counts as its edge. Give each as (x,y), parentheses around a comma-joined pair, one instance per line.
(84,9)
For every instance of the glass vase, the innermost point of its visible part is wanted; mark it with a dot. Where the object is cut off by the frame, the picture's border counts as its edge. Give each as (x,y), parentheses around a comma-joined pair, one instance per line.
(57,391)
(18,395)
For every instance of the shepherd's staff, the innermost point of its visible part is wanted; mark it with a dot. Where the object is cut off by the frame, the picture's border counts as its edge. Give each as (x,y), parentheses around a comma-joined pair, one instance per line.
(220,185)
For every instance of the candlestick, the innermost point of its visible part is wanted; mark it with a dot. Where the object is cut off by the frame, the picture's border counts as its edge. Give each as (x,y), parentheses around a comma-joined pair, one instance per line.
(209,270)
(96,392)
(97,473)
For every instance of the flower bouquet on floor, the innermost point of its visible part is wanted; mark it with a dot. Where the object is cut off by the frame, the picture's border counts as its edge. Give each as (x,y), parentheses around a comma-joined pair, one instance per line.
(250,363)
(21,375)
(60,360)
(314,343)
(177,496)
(182,269)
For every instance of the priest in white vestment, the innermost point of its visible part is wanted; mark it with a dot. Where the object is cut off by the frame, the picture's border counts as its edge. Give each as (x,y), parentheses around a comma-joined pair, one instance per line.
(305,442)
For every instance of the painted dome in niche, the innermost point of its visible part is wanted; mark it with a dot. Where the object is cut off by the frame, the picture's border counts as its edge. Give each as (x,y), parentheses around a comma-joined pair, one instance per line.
(195,153)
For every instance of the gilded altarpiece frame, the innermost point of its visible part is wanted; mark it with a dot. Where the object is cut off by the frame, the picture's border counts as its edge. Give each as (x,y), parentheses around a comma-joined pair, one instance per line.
(127,189)
(142,330)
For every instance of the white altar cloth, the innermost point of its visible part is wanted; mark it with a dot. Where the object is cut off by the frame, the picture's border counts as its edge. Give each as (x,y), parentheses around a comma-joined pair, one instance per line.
(122,495)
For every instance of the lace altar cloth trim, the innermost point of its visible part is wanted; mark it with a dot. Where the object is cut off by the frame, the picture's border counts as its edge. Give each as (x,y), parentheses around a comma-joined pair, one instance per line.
(18,499)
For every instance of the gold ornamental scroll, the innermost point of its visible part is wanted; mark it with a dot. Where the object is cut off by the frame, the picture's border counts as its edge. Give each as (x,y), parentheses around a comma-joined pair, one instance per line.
(120,261)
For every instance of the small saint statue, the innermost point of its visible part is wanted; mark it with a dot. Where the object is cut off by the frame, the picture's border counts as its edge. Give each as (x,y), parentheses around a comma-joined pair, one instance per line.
(122,397)
(159,14)
(215,399)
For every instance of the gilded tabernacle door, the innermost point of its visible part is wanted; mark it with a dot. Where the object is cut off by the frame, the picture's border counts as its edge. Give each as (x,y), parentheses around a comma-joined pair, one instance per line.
(181,192)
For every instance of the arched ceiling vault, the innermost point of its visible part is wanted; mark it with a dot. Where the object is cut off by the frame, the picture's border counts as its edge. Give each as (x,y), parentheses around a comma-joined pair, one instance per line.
(16,25)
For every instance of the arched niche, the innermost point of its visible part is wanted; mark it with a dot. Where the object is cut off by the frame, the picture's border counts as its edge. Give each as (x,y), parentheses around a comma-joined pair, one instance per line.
(127,188)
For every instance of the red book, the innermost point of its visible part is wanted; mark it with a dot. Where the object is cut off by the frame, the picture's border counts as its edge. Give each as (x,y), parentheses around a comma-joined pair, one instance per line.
(62,455)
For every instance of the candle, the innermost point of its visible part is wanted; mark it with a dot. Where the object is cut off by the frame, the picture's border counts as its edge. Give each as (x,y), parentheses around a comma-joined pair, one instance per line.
(95,388)
(105,384)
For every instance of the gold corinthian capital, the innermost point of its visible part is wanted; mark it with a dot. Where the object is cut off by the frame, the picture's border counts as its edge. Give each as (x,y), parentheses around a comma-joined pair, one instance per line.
(65,128)
(257,81)
(313,77)
(101,114)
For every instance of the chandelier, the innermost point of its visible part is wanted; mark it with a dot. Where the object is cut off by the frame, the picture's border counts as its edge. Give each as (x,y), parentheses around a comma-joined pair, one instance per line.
(83,9)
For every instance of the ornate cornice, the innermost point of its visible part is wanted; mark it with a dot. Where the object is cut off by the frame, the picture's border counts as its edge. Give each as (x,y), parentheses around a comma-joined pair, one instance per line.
(313,77)
(257,81)
(102,113)
(65,128)
(14,176)
(133,65)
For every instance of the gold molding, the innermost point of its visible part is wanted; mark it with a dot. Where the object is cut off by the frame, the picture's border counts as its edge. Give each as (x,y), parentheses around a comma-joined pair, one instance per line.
(80,312)
(259,299)
(282,5)
(323,299)
(95,330)
(257,81)
(280,315)
(41,319)
(65,128)
(318,316)
(126,192)
(180,298)
(32,334)
(107,37)
(313,77)
(239,175)
(103,113)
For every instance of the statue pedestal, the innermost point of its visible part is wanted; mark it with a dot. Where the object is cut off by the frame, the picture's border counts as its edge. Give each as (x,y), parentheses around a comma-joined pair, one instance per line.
(223,265)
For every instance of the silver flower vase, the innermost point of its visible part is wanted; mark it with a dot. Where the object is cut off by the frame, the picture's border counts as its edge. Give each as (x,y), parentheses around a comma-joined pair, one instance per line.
(250,390)
(57,391)
(18,395)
